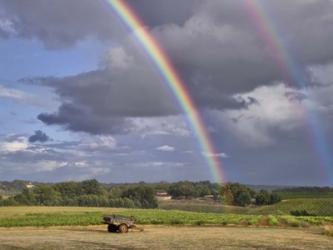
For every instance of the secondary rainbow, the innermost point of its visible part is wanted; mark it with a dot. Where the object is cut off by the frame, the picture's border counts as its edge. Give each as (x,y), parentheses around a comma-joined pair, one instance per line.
(174,81)
(293,74)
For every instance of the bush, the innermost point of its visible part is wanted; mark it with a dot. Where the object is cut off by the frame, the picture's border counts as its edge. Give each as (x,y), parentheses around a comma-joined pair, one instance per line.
(272,220)
(301,213)
(262,198)
(274,198)
(265,198)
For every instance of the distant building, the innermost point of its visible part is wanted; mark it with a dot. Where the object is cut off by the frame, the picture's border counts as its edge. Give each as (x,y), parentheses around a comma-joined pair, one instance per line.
(209,197)
(29,185)
(163,196)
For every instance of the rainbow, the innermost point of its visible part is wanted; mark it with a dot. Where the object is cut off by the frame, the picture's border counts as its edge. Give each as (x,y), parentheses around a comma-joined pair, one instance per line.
(292,74)
(174,81)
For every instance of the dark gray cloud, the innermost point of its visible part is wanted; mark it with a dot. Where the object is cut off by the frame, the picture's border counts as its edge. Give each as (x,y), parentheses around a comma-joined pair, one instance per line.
(39,136)
(155,13)
(109,97)
(58,24)
(221,48)
(216,47)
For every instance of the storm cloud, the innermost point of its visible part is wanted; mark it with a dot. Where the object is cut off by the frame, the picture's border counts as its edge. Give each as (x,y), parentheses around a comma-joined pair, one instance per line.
(39,136)
(58,24)
(263,95)
(217,49)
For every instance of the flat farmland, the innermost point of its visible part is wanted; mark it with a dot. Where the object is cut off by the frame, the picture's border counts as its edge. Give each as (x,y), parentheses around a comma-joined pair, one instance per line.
(163,237)
(55,228)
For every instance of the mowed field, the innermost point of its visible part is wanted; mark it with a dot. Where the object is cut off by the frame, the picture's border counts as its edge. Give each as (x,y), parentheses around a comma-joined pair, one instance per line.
(81,228)
(163,237)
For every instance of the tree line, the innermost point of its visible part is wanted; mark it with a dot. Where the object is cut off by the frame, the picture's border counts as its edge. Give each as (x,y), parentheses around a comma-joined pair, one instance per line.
(241,195)
(140,195)
(85,193)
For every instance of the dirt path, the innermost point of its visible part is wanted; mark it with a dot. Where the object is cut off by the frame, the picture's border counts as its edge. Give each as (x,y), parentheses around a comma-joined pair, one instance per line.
(163,237)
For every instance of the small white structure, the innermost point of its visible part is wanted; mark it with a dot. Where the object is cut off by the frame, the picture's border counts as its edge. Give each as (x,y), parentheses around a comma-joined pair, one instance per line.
(163,196)
(29,185)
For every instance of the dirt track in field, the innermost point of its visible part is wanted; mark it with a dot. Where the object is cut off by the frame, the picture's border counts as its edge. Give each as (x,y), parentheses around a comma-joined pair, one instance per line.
(163,237)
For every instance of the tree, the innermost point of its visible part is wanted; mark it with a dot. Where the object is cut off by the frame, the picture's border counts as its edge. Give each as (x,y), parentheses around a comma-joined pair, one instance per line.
(69,190)
(274,198)
(228,197)
(262,198)
(92,187)
(144,195)
(115,192)
(242,198)
(182,189)
(27,197)
(46,195)
(237,194)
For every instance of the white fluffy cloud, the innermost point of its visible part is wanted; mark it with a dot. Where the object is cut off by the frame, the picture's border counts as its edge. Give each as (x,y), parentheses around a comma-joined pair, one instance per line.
(13,145)
(166,148)
(98,143)
(270,107)
(12,93)
(118,59)
(220,155)
(7,26)
(167,125)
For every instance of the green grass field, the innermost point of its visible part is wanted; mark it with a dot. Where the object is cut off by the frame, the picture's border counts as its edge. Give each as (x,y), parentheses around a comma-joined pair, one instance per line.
(286,195)
(63,216)
(320,207)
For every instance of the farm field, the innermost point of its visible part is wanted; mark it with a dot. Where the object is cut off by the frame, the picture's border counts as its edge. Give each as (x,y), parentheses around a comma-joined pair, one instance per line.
(296,194)
(80,228)
(317,206)
(83,216)
(163,237)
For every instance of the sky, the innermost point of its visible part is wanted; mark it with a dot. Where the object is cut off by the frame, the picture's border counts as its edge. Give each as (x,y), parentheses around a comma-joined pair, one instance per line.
(81,99)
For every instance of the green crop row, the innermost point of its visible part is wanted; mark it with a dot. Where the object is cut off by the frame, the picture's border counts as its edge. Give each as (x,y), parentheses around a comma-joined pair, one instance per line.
(163,217)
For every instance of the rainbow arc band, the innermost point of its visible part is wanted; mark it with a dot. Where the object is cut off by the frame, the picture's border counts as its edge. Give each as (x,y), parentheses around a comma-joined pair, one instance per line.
(174,81)
(293,74)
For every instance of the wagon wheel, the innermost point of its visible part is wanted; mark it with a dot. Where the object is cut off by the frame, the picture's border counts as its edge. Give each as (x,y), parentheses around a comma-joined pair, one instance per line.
(112,228)
(123,228)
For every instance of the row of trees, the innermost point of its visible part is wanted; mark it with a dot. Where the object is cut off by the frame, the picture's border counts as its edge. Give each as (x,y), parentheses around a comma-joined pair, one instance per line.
(240,195)
(141,195)
(85,193)
(187,189)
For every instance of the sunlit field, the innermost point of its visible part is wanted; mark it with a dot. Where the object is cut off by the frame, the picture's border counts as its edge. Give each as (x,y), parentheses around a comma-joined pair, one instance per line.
(164,237)
(321,206)
(67,216)
(80,227)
